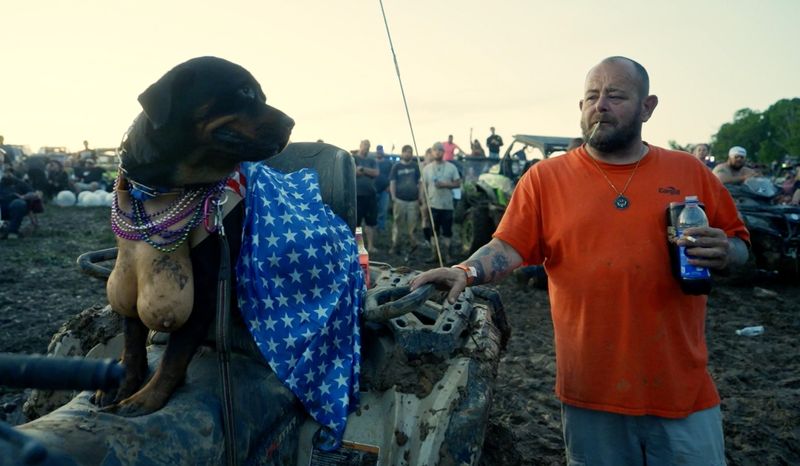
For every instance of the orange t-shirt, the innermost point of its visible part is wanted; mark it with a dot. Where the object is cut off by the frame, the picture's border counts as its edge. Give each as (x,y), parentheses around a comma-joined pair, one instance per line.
(627,339)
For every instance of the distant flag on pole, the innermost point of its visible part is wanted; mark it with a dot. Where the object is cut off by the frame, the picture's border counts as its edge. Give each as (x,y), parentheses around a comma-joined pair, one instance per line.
(300,291)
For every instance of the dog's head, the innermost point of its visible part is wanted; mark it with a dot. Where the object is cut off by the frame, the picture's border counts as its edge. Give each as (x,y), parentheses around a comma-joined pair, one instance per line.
(198,122)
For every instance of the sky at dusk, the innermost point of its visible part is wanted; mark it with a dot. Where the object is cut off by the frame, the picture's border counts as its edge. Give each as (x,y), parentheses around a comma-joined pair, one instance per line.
(73,70)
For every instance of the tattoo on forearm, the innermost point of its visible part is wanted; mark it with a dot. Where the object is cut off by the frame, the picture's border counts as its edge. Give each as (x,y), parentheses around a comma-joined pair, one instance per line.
(499,265)
(494,269)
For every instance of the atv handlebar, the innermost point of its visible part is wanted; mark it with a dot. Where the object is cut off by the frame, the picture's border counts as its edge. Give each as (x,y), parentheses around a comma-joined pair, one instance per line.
(387,302)
(59,373)
(88,262)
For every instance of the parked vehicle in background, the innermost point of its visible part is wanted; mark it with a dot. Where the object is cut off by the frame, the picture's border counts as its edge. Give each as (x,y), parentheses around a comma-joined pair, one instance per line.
(108,160)
(15,152)
(488,184)
(774,229)
(58,153)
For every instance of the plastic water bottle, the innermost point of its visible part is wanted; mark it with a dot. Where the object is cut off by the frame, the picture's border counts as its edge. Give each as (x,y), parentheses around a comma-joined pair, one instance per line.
(694,280)
(751,331)
(363,255)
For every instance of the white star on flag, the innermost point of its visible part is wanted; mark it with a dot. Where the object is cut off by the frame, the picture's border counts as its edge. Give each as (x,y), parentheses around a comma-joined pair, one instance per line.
(324,388)
(303,342)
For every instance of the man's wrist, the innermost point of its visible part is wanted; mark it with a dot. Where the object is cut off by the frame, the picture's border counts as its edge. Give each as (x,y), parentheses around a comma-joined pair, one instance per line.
(470,272)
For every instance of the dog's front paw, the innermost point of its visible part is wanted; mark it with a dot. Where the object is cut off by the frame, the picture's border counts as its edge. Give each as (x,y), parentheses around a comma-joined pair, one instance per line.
(101,398)
(127,408)
(130,385)
(145,401)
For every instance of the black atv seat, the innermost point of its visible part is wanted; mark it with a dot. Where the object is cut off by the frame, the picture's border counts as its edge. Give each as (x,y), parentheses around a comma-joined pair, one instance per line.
(336,170)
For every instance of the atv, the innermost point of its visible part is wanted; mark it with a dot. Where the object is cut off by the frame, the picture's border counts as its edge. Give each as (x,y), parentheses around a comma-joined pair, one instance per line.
(488,185)
(774,228)
(426,385)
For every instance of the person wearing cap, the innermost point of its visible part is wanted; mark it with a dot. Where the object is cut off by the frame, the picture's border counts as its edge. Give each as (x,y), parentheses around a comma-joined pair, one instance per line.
(734,170)
(382,185)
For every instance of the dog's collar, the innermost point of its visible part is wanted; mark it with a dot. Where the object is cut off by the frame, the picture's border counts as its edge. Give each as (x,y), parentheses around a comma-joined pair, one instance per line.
(142,192)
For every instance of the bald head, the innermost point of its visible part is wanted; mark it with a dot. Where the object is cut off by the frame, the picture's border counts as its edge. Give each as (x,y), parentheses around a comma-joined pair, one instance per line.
(616,102)
(636,71)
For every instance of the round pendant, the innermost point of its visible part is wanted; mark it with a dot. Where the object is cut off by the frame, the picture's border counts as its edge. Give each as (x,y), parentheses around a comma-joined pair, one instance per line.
(621,202)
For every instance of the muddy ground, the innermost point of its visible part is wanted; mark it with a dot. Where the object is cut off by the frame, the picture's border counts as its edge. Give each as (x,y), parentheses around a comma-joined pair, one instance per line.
(758,377)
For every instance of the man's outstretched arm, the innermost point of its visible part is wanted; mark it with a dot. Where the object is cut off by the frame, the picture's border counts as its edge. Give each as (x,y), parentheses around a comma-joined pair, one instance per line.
(490,263)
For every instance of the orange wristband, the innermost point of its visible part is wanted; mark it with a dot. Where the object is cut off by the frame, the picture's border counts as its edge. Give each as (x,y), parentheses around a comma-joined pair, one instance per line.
(470,272)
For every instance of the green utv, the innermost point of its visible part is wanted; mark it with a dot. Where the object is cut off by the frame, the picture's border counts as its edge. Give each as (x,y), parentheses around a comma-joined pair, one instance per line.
(488,184)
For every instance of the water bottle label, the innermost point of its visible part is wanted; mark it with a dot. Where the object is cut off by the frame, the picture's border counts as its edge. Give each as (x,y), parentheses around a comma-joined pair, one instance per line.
(689,271)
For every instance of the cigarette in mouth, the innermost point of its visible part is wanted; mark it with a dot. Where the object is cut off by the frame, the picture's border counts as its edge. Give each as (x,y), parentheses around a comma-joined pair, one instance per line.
(691,239)
(591,136)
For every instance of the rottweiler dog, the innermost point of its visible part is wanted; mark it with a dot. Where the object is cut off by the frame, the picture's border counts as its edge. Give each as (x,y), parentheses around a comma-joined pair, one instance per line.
(199,121)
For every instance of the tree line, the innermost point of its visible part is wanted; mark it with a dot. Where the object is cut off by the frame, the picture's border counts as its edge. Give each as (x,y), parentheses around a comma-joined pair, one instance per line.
(768,136)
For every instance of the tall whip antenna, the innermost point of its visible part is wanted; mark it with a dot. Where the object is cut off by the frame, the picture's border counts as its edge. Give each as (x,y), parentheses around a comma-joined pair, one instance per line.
(413,136)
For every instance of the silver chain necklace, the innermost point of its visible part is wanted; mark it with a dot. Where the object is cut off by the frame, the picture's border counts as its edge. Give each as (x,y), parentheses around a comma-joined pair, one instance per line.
(620,202)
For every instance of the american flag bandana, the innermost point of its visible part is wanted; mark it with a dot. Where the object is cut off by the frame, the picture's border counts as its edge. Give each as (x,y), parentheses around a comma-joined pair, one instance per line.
(300,291)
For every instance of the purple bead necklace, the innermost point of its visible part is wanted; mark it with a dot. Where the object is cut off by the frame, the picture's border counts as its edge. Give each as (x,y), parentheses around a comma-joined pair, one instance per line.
(157,229)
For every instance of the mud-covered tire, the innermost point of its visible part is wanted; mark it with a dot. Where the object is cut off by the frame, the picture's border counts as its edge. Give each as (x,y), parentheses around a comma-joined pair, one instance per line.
(476,228)
(460,210)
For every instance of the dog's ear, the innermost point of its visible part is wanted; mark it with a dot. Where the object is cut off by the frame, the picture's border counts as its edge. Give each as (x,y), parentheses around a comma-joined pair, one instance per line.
(156,100)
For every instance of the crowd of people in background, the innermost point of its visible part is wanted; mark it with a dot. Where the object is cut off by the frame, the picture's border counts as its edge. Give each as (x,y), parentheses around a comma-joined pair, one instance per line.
(403,189)
(419,196)
(27,183)
(17,199)
(734,170)
(422,196)
(384,186)
(52,173)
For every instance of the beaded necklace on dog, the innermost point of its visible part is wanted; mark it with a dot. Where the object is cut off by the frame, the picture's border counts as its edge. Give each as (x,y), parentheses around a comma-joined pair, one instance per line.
(138,225)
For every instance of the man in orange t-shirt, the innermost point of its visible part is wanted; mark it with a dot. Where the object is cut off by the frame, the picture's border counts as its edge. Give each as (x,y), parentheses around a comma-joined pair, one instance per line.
(630,346)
